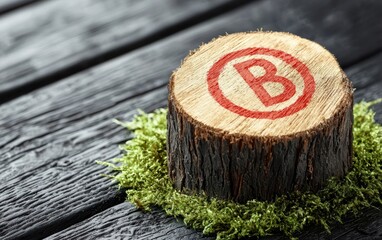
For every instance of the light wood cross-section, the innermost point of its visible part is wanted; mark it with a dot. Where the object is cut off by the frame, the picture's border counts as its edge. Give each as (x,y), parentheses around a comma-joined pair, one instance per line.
(255,115)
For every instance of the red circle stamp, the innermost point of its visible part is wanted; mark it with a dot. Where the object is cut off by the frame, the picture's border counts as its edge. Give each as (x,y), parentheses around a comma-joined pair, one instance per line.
(256,83)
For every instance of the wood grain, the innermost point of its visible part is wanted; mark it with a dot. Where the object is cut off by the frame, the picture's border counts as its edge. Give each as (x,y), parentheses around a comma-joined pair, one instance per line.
(41,114)
(54,39)
(366,226)
(296,143)
(125,221)
(324,22)
(130,223)
(51,137)
(317,80)
(7,6)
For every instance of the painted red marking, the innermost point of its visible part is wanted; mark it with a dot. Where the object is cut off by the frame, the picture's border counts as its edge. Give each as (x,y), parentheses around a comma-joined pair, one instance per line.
(256,83)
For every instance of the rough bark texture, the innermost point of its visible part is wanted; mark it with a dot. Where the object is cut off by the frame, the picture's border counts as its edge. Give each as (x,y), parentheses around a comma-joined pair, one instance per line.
(243,167)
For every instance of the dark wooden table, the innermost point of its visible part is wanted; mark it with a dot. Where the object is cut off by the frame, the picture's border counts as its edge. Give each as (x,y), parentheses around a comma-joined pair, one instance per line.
(67,67)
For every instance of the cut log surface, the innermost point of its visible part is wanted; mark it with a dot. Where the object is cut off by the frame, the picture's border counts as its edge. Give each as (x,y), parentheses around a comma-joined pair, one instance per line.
(255,115)
(50,138)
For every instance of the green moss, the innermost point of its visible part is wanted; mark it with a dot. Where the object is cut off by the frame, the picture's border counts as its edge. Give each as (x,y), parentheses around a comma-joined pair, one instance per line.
(142,170)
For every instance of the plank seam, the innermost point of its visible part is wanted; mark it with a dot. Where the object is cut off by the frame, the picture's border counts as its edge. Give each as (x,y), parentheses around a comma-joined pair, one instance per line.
(92,61)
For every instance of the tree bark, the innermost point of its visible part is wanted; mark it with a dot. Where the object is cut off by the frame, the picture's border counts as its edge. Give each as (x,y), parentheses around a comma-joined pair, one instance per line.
(241,169)
(239,162)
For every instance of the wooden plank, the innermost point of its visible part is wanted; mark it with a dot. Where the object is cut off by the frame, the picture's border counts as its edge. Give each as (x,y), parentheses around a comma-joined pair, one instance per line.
(42,114)
(130,223)
(366,77)
(51,137)
(368,225)
(126,222)
(54,39)
(7,6)
(123,221)
(336,25)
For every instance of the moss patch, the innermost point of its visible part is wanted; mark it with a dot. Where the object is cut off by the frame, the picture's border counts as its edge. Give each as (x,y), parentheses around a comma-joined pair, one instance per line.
(142,170)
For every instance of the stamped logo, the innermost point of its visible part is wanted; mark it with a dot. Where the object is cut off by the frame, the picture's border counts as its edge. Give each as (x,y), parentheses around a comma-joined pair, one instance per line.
(257,83)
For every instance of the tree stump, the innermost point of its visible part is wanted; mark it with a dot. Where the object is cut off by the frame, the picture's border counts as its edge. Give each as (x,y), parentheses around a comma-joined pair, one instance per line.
(258,115)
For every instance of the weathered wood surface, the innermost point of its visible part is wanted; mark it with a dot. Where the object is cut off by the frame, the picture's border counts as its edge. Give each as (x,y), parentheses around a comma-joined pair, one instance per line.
(130,223)
(51,137)
(334,20)
(44,42)
(75,100)
(7,6)
(367,226)
(124,221)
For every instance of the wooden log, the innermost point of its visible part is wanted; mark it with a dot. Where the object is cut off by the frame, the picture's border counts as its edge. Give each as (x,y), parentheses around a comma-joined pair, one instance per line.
(256,115)
(64,126)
